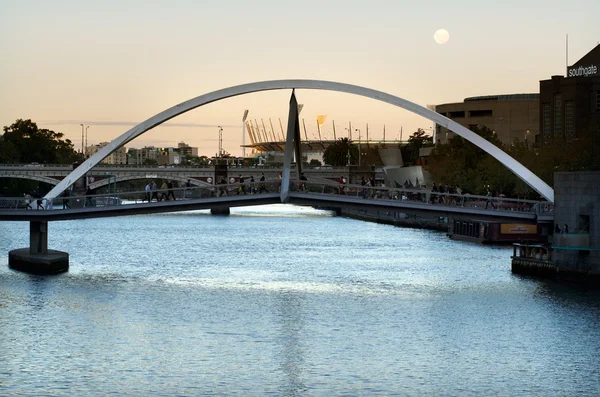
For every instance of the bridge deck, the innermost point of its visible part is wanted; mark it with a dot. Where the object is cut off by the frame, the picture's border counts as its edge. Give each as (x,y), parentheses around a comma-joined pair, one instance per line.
(323,195)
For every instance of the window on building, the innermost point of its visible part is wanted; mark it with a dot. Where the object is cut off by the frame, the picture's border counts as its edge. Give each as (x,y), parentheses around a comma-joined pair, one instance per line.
(457,114)
(558,116)
(569,120)
(546,122)
(480,113)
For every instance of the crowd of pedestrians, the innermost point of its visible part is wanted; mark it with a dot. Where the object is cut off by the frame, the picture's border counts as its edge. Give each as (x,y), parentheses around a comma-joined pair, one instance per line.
(166,191)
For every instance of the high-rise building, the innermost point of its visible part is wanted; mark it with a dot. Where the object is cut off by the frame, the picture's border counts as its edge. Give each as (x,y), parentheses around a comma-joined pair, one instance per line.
(570,106)
(140,156)
(187,150)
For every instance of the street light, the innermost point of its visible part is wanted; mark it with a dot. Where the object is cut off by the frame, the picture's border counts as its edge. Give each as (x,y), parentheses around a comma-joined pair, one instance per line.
(358,129)
(82,153)
(86,144)
(244,133)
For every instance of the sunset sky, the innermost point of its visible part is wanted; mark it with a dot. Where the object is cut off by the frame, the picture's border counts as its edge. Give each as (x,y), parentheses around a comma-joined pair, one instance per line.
(113,64)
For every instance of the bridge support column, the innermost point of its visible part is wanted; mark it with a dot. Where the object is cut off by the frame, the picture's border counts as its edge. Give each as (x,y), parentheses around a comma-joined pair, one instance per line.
(220,211)
(38,259)
(292,146)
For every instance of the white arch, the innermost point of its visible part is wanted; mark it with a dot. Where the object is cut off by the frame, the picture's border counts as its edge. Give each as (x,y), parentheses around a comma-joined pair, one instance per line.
(517,168)
(37,178)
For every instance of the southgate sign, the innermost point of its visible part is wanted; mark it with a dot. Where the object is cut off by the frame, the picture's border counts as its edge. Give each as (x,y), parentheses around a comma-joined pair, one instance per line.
(585,71)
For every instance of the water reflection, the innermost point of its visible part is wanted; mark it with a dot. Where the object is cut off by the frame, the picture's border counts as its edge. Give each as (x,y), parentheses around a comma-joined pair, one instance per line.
(290,319)
(261,304)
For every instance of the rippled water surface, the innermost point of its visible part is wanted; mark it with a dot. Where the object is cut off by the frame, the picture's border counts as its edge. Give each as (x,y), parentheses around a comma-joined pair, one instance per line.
(286,301)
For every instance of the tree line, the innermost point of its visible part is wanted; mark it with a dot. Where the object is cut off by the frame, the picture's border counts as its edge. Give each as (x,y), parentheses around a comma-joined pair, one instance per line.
(24,142)
(461,163)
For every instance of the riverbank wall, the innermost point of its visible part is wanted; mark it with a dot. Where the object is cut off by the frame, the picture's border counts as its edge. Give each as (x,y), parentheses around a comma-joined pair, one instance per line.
(397,219)
(575,245)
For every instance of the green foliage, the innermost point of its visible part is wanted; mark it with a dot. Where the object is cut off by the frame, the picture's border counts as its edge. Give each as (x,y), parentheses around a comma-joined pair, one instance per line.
(337,153)
(314,163)
(24,142)
(461,163)
(410,152)
(369,155)
(150,162)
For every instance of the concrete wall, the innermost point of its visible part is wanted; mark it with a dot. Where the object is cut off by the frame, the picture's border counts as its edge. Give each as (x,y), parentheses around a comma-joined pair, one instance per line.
(577,195)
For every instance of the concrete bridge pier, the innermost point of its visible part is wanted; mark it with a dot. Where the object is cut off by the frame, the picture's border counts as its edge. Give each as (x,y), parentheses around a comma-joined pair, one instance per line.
(38,259)
(220,211)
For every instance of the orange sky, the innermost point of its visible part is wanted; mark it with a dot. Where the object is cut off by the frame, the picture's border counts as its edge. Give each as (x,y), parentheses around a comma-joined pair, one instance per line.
(113,64)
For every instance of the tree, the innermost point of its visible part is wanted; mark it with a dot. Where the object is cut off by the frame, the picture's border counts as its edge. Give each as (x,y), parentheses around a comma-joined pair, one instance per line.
(370,155)
(150,162)
(461,163)
(416,141)
(341,152)
(24,142)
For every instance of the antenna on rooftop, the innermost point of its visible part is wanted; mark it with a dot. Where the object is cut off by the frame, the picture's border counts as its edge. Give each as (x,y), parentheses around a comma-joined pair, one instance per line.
(567,56)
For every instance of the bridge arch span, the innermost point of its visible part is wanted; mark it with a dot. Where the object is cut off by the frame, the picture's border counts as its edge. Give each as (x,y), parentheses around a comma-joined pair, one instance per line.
(38,178)
(517,168)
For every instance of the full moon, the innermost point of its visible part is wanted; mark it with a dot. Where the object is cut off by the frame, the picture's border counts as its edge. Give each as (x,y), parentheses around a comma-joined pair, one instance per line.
(441,36)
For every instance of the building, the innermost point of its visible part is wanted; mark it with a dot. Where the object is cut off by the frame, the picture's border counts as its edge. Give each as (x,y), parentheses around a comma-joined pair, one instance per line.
(187,150)
(168,156)
(142,156)
(512,117)
(119,156)
(570,106)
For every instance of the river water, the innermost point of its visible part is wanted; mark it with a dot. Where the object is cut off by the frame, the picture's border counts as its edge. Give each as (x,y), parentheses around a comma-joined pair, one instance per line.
(286,301)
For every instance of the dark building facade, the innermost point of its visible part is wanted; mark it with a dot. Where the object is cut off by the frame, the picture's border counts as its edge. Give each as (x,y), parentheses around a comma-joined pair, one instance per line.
(570,106)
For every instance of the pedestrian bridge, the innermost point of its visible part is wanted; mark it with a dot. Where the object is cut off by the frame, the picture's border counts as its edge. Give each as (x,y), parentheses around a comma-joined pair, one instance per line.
(319,194)
(38,258)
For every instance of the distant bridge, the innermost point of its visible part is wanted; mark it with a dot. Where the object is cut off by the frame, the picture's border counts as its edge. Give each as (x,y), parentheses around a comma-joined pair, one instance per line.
(102,175)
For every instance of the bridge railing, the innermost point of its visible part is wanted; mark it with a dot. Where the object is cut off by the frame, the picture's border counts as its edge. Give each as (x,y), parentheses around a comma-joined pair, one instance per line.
(139,197)
(321,187)
(423,196)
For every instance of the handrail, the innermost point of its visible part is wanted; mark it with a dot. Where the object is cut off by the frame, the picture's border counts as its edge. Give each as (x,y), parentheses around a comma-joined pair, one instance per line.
(325,188)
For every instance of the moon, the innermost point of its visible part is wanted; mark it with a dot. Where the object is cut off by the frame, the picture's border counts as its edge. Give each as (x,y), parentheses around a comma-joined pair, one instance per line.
(441,36)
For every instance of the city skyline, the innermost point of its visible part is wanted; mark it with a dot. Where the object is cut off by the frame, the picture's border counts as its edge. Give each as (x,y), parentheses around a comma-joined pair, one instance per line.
(111,66)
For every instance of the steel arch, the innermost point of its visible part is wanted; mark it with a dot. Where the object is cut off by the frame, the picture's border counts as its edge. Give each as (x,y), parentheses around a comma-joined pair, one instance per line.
(517,168)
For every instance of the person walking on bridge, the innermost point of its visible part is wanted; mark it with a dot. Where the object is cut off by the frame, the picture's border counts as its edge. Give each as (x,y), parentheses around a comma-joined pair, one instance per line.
(147,190)
(489,200)
(163,192)
(88,198)
(262,186)
(154,191)
(170,187)
(242,188)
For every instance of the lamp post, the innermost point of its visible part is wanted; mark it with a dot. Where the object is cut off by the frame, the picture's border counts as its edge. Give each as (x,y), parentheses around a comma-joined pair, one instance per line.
(526,135)
(358,129)
(244,133)
(86,143)
(82,153)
